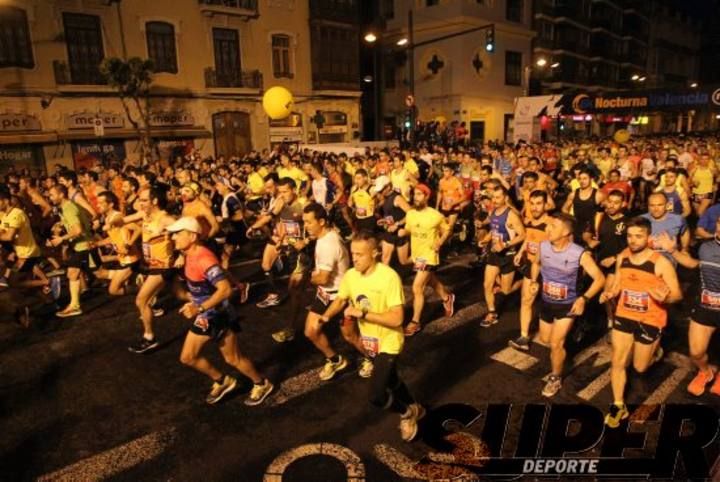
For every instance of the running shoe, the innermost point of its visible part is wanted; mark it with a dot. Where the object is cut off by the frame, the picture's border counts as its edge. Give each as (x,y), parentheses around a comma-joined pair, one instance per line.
(521,343)
(412,328)
(243,290)
(259,393)
(144,346)
(698,384)
(219,390)
(715,389)
(449,305)
(55,273)
(331,368)
(618,413)
(491,318)
(270,300)
(284,336)
(157,312)
(409,422)
(552,386)
(366,368)
(69,311)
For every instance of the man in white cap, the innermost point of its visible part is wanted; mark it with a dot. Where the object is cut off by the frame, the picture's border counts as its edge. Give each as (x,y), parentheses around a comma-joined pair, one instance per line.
(392,218)
(213,317)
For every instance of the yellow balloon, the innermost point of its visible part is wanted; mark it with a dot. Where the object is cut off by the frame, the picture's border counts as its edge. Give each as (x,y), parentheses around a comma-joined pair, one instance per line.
(277,102)
(621,136)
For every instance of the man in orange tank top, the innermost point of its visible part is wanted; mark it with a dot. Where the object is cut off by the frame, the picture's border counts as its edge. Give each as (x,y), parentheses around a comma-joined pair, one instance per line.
(644,282)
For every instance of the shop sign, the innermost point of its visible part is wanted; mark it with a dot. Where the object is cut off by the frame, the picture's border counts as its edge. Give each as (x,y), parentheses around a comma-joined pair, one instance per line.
(18,122)
(89,154)
(172,119)
(86,120)
(333,130)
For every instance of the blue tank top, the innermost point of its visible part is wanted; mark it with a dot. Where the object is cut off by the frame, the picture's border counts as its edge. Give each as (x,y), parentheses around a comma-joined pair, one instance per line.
(498,226)
(709,255)
(560,273)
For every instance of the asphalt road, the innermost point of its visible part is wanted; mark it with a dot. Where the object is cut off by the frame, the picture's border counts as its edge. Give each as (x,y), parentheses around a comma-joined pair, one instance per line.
(76,405)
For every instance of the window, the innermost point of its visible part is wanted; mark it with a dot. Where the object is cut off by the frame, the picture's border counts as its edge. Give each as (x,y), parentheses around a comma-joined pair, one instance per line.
(390,71)
(513,68)
(85,49)
(161,46)
(514,12)
(430,3)
(227,57)
(15,47)
(281,56)
(335,57)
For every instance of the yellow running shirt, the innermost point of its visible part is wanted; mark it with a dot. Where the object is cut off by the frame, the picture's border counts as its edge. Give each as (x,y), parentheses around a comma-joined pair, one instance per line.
(24,242)
(295,174)
(256,184)
(157,246)
(376,292)
(425,228)
(363,203)
(702,179)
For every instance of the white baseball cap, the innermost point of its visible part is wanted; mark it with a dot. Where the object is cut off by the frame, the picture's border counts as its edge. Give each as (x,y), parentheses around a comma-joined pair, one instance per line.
(186,223)
(380,183)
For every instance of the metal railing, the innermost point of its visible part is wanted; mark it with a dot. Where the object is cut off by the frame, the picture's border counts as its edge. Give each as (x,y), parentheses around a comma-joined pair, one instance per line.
(252,79)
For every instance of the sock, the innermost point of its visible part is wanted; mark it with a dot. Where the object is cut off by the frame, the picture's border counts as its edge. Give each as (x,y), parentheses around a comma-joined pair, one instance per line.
(335,359)
(74,293)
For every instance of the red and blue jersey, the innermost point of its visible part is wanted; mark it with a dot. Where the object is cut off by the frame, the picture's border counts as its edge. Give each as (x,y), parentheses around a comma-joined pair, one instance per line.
(203,272)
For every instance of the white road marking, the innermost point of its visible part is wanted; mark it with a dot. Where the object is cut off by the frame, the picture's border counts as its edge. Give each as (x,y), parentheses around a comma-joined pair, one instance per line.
(111,462)
(682,369)
(400,463)
(353,465)
(514,358)
(595,386)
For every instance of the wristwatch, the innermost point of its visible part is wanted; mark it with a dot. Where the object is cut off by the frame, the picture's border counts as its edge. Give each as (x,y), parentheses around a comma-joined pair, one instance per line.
(200,309)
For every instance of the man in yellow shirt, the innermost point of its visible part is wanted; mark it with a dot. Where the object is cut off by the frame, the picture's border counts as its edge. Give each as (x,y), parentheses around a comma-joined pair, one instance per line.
(373,295)
(289,168)
(428,230)
(362,203)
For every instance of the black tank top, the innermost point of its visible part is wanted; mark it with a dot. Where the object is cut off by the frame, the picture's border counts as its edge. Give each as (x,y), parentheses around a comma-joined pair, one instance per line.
(390,210)
(612,236)
(584,211)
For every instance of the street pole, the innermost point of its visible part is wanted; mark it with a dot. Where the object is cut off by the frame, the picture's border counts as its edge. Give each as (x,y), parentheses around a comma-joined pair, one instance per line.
(411,49)
(376,92)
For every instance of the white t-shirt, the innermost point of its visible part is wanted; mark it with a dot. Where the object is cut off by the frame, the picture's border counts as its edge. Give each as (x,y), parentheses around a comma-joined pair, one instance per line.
(320,191)
(647,169)
(331,255)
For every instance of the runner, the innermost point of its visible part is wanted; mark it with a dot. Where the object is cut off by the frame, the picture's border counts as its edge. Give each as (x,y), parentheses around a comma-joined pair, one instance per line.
(77,224)
(213,317)
(158,262)
(392,217)
(678,202)
(331,262)
(535,233)
(583,204)
(375,297)
(506,235)
(705,317)
(362,203)
(661,221)
(644,282)
(559,267)
(428,230)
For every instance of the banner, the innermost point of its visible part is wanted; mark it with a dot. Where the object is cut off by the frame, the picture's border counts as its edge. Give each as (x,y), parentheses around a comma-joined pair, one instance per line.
(91,153)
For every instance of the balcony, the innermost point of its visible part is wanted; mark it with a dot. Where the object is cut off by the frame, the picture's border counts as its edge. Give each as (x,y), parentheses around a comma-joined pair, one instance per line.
(570,10)
(65,75)
(335,10)
(246,9)
(251,79)
(335,81)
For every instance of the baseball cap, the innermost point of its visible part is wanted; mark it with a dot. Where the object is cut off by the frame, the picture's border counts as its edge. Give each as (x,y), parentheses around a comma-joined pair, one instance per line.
(380,183)
(424,188)
(186,223)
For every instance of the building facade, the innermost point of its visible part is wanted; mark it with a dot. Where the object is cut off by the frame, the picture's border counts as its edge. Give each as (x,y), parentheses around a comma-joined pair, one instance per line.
(457,78)
(213,61)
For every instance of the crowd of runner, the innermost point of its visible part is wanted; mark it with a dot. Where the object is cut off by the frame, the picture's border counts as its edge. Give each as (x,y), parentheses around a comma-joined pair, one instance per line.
(566,228)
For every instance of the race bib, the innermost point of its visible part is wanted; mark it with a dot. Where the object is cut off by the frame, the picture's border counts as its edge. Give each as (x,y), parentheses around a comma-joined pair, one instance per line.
(371,345)
(202,322)
(710,299)
(146,250)
(555,291)
(389,220)
(637,301)
(533,248)
(420,264)
(323,296)
(292,229)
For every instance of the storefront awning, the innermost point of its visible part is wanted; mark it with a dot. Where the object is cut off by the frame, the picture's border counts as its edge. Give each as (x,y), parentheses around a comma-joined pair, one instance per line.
(156,132)
(28,138)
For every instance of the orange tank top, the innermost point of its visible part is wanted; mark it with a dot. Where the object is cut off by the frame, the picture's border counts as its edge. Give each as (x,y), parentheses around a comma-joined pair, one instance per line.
(635,303)
(534,235)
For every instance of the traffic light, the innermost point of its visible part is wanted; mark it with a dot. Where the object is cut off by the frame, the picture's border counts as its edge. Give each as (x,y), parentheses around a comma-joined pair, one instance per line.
(490,39)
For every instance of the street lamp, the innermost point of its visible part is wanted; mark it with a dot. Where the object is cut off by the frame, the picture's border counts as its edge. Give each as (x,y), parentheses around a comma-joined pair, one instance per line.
(635,77)
(368,79)
(642,79)
(555,65)
(370,37)
(694,85)
(541,62)
(402,42)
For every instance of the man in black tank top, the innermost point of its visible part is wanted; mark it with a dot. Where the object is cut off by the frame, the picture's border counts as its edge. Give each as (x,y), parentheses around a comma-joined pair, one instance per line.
(583,203)
(392,218)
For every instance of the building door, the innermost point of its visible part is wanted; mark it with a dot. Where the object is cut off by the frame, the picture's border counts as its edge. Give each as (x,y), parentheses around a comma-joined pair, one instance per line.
(477,131)
(231,131)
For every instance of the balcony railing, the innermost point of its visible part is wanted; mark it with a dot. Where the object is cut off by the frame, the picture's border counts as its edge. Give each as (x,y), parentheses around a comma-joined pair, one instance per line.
(334,81)
(570,10)
(251,79)
(243,8)
(339,11)
(65,76)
